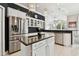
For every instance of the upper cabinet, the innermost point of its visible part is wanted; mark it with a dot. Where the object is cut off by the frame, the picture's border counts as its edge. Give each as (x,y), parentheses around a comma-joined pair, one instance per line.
(34,19)
(32,22)
(17,13)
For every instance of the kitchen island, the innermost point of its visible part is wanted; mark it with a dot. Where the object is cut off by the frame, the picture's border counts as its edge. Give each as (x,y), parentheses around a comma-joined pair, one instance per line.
(62,37)
(41,47)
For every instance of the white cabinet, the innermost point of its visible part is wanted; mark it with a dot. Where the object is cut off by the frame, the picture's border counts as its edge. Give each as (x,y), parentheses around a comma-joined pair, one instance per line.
(25,26)
(75,37)
(50,46)
(32,22)
(67,39)
(12,12)
(17,13)
(63,38)
(26,50)
(39,49)
(59,38)
(45,47)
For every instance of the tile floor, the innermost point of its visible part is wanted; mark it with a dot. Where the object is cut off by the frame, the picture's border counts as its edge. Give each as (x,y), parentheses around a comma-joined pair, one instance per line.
(65,51)
(60,51)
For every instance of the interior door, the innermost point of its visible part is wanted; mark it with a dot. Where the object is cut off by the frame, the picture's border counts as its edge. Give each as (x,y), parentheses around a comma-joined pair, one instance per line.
(2,45)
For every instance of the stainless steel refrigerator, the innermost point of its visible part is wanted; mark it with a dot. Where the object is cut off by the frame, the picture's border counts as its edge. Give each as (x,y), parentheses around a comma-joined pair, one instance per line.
(14,34)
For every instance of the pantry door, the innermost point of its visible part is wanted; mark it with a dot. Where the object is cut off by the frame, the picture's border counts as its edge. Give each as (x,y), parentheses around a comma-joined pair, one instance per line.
(2,31)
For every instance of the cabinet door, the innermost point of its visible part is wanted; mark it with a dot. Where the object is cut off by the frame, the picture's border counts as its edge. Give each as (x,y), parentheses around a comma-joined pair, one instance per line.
(67,39)
(74,36)
(35,23)
(50,46)
(58,38)
(41,51)
(26,50)
(12,12)
(25,25)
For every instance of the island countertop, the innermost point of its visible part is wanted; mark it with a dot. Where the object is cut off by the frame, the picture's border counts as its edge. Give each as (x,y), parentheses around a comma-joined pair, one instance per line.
(68,31)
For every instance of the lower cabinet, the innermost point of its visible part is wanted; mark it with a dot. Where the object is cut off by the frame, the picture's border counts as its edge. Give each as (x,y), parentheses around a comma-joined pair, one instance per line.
(59,38)
(67,39)
(63,39)
(43,48)
(39,49)
(75,37)
(26,50)
(50,46)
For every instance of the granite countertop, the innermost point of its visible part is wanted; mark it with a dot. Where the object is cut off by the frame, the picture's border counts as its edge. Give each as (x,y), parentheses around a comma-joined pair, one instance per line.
(35,42)
(58,30)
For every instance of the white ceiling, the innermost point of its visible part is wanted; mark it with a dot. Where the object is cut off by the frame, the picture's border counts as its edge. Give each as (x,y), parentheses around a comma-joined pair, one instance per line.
(65,8)
(57,8)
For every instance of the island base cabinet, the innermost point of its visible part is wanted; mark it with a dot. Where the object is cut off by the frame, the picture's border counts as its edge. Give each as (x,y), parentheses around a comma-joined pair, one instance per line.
(63,39)
(59,38)
(26,50)
(67,39)
(40,51)
(50,46)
